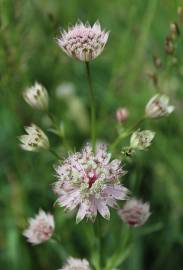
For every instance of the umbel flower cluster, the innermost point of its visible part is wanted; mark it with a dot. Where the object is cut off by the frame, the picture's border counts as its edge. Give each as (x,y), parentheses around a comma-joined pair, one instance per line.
(40,228)
(90,182)
(135,213)
(83,42)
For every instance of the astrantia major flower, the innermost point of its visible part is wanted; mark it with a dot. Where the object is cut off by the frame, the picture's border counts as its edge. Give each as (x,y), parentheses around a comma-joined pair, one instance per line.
(134,213)
(34,140)
(40,228)
(141,140)
(158,106)
(76,264)
(90,183)
(36,96)
(83,41)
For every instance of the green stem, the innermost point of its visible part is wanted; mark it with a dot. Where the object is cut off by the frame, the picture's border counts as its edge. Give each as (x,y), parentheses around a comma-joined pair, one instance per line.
(59,247)
(99,243)
(92,104)
(125,134)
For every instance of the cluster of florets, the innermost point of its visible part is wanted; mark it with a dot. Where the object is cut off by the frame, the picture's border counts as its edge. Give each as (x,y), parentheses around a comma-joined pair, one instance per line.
(135,213)
(90,182)
(40,228)
(158,106)
(34,140)
(83,42)
(37,96)
(76,264)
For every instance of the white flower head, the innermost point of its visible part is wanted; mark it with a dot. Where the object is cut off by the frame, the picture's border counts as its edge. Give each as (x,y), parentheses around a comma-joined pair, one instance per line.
(36,96)
(90,183)
(135,213)
(83,41)
(34,140)
(40,228)
(141,140)
(76,264)
(158,106)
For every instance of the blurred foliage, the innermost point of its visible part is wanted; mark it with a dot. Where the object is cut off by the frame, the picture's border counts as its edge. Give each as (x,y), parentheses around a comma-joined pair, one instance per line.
(29,53)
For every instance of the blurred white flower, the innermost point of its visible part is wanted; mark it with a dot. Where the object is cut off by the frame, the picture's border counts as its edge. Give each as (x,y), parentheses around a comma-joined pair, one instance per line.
(76,109)
(40,228)
(141,139)
(122,114)
(76,264)
(65,90)
(36,96)
(158,106)
(90,183)
(135,213)
(34,140)
(83,42)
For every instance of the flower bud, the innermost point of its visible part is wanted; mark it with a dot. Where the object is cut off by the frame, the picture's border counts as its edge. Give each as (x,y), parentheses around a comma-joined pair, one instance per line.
(40,228)
(34,140)
(180,11)
(169,45)
(134,213)
(158,106)
(174,29)
(36,96)
(121,115)
(141,140)
(157,61)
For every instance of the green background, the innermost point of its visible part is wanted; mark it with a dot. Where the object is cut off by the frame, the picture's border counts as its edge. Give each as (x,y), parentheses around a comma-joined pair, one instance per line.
(29,53)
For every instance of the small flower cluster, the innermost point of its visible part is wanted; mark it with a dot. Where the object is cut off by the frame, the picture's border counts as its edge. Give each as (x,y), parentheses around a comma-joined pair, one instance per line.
(76,264)
(134,213)
(141,140)
(90,182)
(158,106)
(34,140)
(36,96)
(40,228)
(83,42)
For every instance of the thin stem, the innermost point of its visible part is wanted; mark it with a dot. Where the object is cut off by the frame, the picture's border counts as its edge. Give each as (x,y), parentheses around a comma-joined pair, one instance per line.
(99,242)
(92,104)
(126,134)
(59,247)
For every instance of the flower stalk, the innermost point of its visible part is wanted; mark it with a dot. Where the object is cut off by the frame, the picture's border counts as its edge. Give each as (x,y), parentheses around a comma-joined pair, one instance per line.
(92,106)
(125,134)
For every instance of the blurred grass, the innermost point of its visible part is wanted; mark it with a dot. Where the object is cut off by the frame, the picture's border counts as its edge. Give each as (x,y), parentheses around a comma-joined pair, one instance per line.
(28,52)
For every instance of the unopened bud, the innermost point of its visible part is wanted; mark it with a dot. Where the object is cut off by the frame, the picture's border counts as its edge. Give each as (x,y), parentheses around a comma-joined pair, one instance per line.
(36,96)
(157,61)
(158,106)
(141,140)
(135,213)
(174,29)
(169,45)
(34,140)
(121,115)
(180,11)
